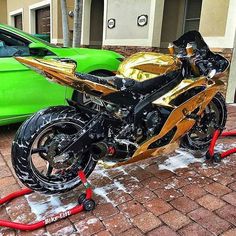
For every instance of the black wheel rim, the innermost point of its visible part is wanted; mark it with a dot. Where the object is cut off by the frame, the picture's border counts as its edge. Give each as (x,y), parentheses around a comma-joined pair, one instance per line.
(199,135)
(54,178)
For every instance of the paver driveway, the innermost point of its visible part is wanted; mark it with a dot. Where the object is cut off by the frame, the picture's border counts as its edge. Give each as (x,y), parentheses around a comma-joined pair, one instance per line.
(174,195)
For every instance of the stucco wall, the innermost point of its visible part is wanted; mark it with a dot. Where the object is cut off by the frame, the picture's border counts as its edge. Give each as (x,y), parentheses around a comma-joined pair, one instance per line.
(15,5)
(125,13)
(214,17)
(3,11)
(126,31)
(209,26)
(28,22)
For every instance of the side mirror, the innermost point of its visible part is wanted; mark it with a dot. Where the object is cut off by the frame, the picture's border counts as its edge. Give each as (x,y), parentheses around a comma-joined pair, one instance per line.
(38,49)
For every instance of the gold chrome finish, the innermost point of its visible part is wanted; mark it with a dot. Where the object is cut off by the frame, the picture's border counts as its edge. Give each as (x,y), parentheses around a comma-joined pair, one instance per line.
(171,48)
(64,74)
(189,50)
(177,119)
(147,65)
(147,154)
(185,85)
(140,67)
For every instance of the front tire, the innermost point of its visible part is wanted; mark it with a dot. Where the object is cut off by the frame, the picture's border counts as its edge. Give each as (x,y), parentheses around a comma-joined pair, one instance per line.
(41,136)
(215,115)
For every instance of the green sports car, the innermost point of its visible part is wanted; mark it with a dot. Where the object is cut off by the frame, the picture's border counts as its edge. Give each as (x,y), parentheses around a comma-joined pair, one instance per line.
(23,91)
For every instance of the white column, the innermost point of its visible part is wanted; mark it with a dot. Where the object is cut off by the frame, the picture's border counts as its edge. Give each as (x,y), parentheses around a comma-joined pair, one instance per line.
(156,15)
(232,76)
(85,31)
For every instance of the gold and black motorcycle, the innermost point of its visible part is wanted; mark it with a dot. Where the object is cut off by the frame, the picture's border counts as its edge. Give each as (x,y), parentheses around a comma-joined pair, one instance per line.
(154,103)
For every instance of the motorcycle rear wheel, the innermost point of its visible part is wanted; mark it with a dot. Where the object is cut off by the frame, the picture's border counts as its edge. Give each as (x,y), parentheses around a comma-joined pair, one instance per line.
(215,115)
(33,146)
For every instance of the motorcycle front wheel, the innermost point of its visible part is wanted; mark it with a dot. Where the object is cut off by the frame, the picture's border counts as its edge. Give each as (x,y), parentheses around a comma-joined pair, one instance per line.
(36,151)
(215,115)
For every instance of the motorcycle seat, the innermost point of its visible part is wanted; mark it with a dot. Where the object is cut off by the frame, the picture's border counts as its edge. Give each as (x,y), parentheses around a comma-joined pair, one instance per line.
(135,86)
(108,81)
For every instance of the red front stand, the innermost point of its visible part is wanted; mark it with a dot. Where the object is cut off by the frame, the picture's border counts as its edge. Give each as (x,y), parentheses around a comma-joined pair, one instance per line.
(218,156)
(86,203)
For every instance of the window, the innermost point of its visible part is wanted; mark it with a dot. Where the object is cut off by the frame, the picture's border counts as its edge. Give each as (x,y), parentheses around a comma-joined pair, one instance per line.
(18,21)
(11,45)
(43,20)
(192,15)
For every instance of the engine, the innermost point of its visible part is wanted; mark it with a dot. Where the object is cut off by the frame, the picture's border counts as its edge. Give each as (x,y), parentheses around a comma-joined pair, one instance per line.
(124,139)
(153,123)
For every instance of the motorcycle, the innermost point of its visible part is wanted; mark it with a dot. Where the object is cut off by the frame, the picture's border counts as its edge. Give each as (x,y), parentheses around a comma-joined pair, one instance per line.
(153,104)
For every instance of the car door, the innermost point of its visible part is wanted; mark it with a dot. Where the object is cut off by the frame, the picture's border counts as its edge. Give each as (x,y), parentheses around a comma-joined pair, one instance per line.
(22,91)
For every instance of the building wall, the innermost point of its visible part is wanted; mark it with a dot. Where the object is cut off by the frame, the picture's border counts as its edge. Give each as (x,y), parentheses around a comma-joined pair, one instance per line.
(126,13)
(13,6)
(214,13)
(3,12)
(219,40)
(217,22)
(133,38)
(126,31)
(217,25)
(27,8)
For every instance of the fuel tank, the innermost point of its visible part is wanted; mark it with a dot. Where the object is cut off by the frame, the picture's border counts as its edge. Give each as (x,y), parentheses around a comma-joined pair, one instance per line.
(147,65)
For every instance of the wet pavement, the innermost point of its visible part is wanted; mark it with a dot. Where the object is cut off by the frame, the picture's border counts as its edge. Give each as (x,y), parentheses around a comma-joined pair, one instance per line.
(177,194)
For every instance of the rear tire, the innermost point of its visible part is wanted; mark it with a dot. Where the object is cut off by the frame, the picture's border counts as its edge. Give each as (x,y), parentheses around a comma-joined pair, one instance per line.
(216,106)
(29,163)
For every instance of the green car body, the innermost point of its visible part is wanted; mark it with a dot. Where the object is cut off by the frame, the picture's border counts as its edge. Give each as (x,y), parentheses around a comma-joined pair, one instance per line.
(23,91)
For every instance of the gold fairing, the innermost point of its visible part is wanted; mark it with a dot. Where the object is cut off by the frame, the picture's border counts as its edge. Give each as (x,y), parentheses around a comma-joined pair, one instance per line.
(64,73)
(146,65)
(184,86)
(177,119)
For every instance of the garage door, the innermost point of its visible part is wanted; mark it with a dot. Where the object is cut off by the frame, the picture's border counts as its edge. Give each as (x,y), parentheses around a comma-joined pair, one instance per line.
(43,20)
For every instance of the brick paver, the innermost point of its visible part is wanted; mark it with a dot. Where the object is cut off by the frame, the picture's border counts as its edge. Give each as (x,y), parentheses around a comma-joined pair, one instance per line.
(146,222)
(138,199)
(210,202)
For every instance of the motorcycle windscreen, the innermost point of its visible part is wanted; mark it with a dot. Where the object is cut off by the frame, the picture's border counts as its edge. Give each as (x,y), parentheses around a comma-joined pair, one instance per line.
(193,37)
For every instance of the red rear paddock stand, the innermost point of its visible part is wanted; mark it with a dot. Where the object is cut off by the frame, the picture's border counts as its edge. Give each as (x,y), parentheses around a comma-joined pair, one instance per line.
(85,203)
(216,156)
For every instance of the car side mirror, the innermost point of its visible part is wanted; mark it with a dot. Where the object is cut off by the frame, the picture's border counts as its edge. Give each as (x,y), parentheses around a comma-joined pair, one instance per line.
(37,49)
